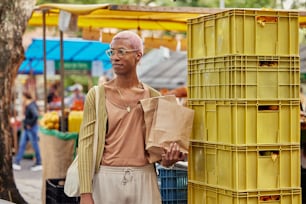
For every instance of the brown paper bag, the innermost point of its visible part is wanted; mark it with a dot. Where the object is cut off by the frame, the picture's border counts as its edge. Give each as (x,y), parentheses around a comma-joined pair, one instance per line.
(166,122)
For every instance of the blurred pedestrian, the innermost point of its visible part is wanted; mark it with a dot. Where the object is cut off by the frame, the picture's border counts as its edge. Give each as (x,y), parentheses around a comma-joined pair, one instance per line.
(29,133)
(54,99)
(123,172)
(30,84)
(76,100)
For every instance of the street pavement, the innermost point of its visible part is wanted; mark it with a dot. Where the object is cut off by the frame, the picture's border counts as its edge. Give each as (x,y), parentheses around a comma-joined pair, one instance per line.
(29,183)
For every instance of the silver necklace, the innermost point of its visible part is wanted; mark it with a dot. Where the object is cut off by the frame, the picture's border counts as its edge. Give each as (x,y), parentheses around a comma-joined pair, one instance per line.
(128,108)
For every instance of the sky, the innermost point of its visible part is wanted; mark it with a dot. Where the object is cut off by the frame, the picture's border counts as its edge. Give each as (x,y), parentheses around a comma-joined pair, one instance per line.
(287,4)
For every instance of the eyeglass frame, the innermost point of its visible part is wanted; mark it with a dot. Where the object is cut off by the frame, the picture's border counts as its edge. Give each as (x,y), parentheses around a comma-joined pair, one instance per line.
(125,51)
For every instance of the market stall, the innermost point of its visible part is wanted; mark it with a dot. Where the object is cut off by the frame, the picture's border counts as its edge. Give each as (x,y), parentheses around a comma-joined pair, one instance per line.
(80,56)
(118,16)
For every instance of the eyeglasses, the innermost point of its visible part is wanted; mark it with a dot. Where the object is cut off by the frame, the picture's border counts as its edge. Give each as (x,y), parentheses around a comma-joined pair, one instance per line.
(120,52)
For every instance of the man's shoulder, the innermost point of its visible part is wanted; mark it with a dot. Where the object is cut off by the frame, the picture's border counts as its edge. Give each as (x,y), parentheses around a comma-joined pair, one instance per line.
(33,104)
(153,91)
(33,107)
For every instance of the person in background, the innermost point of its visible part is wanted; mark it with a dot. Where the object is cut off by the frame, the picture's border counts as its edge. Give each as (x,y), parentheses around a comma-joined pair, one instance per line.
(123,173)
(54,98)
(76,100)
(29,133)
(30,84)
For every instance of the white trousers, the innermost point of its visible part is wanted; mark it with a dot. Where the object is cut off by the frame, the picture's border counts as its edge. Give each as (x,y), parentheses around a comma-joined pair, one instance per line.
(126,185)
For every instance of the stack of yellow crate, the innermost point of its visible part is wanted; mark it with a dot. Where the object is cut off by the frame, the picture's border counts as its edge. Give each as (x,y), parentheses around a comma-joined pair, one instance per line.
(243,83)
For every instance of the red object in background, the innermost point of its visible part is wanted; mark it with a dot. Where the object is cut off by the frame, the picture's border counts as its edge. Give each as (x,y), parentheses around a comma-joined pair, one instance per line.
(15,123)
(179,92)
(16,126)
(77,105)
(164,91)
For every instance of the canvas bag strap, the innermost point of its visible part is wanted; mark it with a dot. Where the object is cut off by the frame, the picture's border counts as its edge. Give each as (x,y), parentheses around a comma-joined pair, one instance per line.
(95,142)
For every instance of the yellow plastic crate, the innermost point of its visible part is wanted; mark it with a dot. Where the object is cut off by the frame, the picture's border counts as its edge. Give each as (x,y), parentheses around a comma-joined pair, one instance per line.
(200,194)
(244,31)
(74,121)
(242,168)
(246,122)
(244,77)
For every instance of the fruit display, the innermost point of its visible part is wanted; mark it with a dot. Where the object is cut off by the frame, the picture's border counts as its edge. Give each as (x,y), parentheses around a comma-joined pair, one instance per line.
(50,120)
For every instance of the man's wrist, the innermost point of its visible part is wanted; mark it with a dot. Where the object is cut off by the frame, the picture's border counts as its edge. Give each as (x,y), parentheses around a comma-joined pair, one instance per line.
(167,165)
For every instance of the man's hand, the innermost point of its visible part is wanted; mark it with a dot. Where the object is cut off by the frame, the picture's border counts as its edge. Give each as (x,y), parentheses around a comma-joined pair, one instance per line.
(172,155)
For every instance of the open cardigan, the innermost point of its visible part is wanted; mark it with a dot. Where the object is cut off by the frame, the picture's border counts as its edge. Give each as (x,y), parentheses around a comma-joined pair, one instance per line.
(85,147)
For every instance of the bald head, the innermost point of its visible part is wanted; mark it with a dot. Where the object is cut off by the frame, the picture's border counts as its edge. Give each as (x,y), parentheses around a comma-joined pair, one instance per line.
(132,37)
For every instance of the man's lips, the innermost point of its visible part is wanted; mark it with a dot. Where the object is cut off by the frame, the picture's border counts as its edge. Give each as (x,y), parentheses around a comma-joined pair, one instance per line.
(116,64)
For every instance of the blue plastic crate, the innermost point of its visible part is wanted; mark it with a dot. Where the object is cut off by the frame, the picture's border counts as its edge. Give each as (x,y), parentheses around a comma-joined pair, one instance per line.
(173,187)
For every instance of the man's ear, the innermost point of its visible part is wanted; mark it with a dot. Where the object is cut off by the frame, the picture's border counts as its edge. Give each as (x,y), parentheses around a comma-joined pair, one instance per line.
(138,55)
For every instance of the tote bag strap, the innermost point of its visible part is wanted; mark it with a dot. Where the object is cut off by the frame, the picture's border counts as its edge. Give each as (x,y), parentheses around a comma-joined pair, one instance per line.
(95,142)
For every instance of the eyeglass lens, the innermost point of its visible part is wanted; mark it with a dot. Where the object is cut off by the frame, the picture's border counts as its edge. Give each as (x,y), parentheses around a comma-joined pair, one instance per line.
(120,52)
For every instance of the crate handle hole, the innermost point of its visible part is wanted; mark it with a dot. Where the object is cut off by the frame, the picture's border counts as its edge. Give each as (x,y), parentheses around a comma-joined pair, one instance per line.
(269,198)
(268,152)
(268,107)
(262,20)
(265,63)
(273,154)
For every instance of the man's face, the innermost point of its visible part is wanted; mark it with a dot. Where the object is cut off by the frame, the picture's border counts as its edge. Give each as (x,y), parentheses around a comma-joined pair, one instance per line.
(76,91)
(124,58)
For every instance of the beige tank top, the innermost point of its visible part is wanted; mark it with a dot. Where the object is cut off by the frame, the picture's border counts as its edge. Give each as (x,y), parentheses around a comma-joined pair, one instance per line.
(125,139)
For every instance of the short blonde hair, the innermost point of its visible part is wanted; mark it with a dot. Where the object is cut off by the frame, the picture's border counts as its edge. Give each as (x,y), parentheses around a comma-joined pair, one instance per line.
(135,40)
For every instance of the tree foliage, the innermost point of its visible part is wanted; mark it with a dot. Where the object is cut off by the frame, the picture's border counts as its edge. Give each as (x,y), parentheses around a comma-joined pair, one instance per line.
(248,3)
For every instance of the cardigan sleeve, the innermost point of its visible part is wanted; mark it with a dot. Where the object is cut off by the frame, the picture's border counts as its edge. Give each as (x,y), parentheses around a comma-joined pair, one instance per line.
(85,146)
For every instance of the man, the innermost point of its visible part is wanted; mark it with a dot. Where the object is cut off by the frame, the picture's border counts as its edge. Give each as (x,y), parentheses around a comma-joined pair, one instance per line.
(123,173)
(76,100)
(30,132)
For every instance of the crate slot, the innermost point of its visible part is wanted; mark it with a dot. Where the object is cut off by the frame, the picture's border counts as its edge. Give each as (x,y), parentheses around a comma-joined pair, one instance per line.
(268,64)
(268,107)
(268,153)
(266,19)
(269,198)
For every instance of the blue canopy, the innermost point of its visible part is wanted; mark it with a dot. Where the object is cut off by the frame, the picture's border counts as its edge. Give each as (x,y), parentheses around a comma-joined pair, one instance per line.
(75,50)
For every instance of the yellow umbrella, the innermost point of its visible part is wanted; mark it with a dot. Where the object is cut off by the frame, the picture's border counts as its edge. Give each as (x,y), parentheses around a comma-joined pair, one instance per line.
(121,16)
(126,16)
